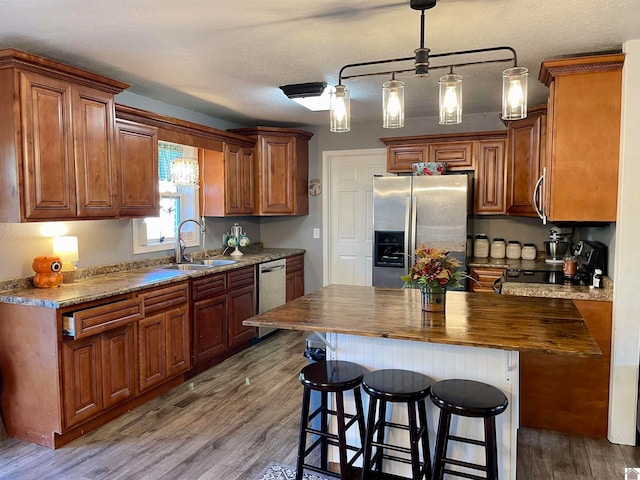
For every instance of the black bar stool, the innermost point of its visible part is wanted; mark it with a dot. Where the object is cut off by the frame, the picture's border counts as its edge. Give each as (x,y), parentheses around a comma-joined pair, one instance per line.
(467,398)
(397,386)
(331,376)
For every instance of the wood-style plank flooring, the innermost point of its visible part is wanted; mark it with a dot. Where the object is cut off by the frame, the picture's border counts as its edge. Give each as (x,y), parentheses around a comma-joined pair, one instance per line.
(232,420)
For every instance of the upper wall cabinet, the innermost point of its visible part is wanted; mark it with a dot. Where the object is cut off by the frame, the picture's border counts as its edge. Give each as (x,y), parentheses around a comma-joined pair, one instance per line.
(281,169)
(525,157)
(138,165)
(457,150)
(227,181)
(58,142)
(580,178)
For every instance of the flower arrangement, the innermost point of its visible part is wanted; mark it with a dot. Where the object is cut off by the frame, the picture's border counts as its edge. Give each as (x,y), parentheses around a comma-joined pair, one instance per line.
(433,268)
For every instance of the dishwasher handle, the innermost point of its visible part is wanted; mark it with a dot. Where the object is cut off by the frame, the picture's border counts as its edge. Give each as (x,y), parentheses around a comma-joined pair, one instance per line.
(271,269)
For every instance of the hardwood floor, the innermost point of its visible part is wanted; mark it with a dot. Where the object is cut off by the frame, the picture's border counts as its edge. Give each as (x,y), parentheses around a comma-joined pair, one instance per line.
(229,422)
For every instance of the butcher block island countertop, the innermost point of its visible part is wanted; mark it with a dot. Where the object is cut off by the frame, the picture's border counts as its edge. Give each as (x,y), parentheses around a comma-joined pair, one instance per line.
(524,324)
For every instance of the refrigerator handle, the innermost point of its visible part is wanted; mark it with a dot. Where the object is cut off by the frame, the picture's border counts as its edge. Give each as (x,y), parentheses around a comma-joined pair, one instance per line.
(407,232)
(414,221)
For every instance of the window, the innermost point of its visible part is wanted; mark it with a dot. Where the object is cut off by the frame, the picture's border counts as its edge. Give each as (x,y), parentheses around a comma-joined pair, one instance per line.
(177,203)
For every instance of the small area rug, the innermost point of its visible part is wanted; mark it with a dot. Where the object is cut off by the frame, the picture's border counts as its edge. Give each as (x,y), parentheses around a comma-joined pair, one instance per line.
(277,471)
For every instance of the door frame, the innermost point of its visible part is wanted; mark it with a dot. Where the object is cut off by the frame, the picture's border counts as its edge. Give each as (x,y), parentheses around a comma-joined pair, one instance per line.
(328,157)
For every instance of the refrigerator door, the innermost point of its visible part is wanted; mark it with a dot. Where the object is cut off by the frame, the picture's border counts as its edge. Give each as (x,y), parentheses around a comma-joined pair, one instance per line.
(391,224)
(439,213)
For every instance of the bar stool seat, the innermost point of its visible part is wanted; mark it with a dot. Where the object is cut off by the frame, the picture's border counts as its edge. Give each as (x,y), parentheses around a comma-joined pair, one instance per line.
(397,386)
(466,398)
(336,377)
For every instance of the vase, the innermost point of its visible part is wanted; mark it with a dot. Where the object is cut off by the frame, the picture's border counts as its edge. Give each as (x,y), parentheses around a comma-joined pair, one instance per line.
(433,298)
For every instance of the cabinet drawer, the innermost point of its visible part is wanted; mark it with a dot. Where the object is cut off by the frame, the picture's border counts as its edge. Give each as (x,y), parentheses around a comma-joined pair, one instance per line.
(165,298)
(83,323)
(295,264)
(240,278)
(208,287)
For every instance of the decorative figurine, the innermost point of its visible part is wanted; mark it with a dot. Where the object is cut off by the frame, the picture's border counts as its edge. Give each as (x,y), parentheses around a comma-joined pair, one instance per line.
(47,268)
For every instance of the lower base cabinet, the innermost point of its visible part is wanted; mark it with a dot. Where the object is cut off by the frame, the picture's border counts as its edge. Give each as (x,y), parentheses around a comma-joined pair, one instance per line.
(118,365)
(295,277)
(221,303)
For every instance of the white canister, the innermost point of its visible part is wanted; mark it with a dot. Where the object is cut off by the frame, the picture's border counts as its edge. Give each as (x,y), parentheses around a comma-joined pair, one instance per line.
(481,246)
(513,249)
(498,248)
(528,251)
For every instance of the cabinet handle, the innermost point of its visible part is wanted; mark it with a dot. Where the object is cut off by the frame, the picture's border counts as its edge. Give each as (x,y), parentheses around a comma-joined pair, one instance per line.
(538,194)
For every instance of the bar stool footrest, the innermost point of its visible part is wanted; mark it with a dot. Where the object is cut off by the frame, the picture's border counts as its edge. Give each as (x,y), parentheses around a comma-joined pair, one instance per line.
(472,441)
(464,474)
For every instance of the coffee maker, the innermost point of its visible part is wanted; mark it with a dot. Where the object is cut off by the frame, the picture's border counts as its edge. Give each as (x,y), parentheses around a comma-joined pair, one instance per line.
(591,255)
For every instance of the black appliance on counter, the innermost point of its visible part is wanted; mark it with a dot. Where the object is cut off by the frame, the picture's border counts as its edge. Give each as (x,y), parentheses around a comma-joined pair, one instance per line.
(591,255)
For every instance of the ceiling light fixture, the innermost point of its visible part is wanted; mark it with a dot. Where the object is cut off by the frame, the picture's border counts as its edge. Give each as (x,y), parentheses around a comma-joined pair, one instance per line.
(185,172)
(312,95)
(514,90)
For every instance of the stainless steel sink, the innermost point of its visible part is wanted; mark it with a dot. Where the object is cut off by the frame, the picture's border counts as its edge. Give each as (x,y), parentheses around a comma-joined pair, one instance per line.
(216,262)
(188,266)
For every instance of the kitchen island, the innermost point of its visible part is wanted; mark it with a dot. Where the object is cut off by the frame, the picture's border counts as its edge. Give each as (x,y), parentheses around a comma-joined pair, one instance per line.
(479,337)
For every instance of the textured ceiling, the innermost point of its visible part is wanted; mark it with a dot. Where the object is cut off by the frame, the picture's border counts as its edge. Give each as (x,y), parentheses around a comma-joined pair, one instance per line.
(227,58)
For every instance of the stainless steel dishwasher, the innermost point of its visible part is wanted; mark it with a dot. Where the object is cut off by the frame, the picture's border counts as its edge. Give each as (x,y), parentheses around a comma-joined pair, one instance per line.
(272,288)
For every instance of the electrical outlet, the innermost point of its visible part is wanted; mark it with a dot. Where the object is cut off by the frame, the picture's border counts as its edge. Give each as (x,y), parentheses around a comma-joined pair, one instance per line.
(316,233)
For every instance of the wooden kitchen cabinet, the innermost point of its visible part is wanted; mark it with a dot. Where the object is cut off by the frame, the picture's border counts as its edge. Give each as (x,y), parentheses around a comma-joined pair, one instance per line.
(164,345)
(482,278)
(118,349)
(59,139)
(209,299)
(82,380)
(281,169)
(458,151)
(227,181)
(583,138)
(241,302)
(138,166)
(526,148)
(295,277)
(490,177)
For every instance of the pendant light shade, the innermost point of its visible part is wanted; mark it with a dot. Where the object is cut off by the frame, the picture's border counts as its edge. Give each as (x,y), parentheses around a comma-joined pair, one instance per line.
(185,172)
(514,93)
(340,112)
(393,104)
(450,99)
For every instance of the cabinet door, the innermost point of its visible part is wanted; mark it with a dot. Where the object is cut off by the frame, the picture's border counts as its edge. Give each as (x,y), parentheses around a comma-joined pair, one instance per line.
(457,155)
(209,327)
(295,277)
(138,166)
(241,306)
(152,351)
(94,142)
(277,155)
(489,180)
(247,189)
(82,375)
(47,147)
(178,334)
(400,158)
(118,365)
(484,278)
(233,178)
(526,149)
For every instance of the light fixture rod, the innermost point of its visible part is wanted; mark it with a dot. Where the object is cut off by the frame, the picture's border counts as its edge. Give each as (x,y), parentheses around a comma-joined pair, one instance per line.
(513,58)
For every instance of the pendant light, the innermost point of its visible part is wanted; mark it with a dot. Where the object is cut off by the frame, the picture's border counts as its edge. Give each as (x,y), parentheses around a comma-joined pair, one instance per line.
(340,112)
(450,99)
(514,93)
(185,172)
(393,103)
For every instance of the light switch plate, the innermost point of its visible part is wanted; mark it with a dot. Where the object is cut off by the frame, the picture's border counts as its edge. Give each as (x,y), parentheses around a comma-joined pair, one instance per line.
(316,233)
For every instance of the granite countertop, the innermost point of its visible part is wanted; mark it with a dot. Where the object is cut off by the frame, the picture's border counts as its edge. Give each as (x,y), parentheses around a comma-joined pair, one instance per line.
(471,319)
(128,277)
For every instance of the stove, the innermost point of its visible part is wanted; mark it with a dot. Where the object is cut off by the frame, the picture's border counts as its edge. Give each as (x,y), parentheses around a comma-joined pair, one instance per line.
(553,276)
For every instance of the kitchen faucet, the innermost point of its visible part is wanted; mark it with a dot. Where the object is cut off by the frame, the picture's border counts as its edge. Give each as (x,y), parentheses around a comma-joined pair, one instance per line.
(180,244)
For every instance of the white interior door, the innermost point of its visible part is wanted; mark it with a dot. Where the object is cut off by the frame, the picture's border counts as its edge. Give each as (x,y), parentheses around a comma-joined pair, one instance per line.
(348,177)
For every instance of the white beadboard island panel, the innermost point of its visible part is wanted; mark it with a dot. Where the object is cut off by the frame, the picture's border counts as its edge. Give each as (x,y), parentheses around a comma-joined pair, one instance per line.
(495,367)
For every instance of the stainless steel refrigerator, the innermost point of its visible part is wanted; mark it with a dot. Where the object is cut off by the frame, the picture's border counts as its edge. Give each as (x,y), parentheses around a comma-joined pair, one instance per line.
(409,212)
